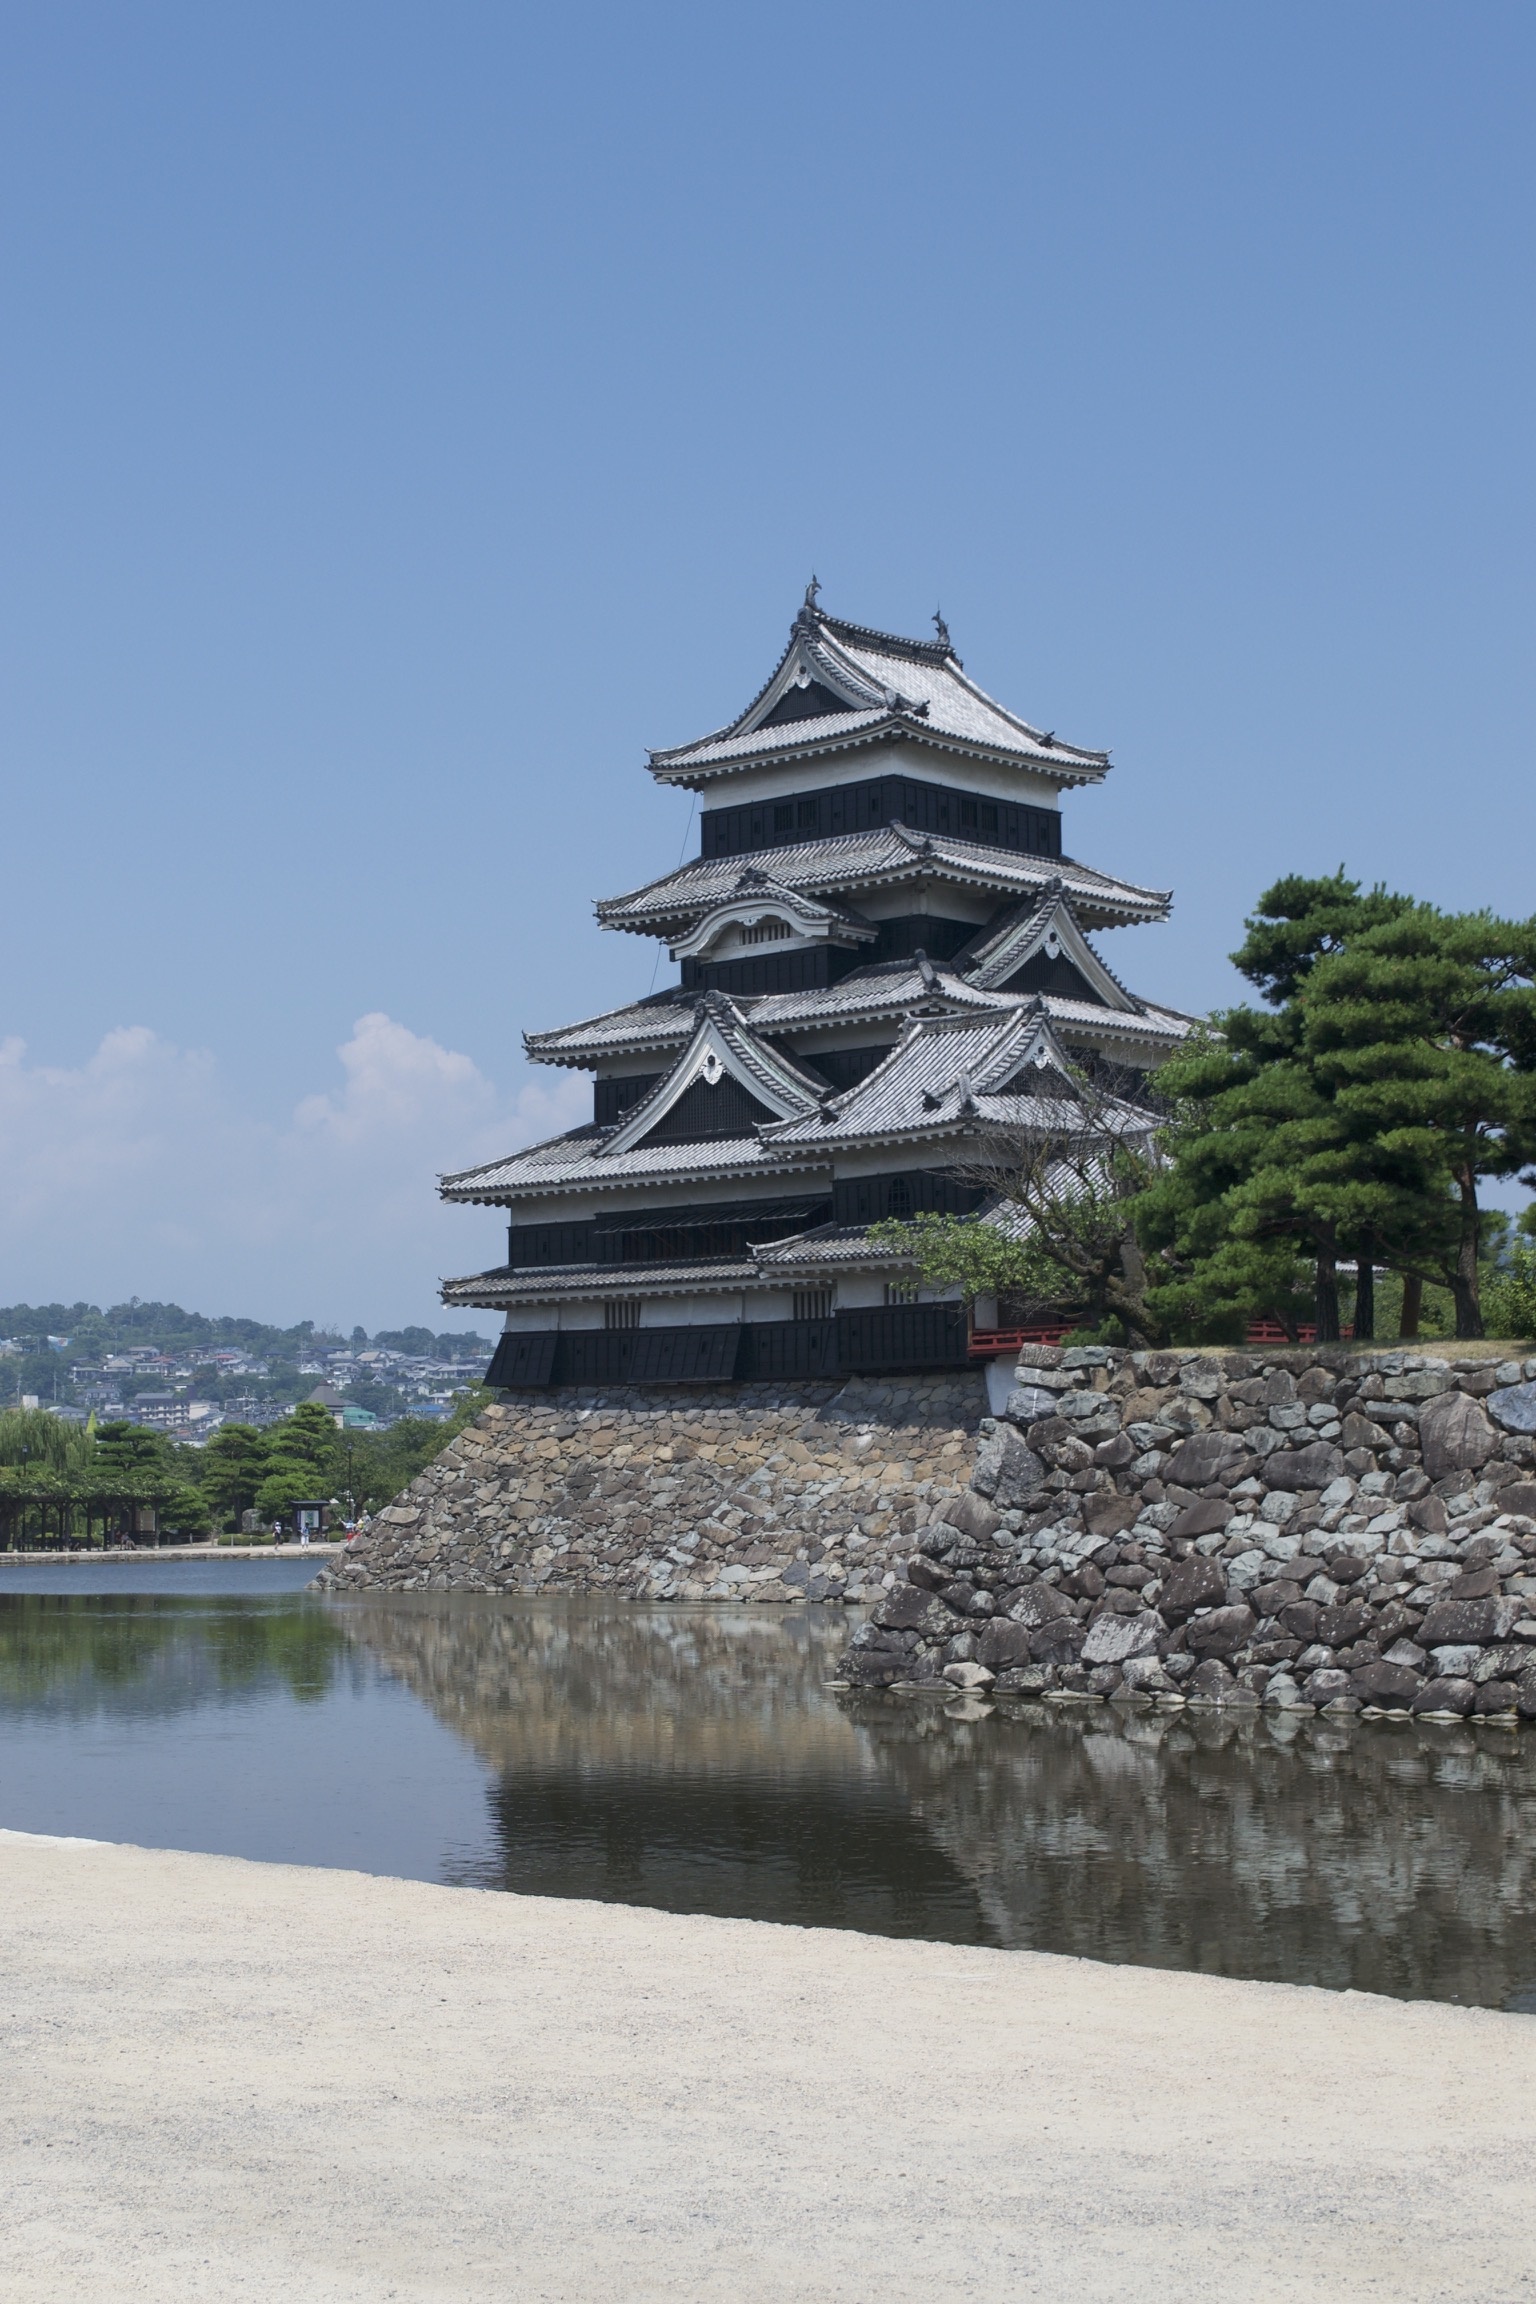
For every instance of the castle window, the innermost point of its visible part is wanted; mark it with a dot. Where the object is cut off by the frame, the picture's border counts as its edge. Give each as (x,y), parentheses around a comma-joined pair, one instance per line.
(808,814)
(621,1312)
(765,932)
(813,1303)
(968,815)
(901,1292)
(784,816)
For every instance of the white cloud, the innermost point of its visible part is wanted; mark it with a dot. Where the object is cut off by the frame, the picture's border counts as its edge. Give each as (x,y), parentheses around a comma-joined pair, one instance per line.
(136,1174)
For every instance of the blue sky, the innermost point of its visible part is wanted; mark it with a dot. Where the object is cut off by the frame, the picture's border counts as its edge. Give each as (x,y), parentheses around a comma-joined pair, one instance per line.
(412,413)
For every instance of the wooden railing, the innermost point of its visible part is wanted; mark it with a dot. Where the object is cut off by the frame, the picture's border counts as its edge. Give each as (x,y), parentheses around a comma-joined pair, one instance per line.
(992,1343)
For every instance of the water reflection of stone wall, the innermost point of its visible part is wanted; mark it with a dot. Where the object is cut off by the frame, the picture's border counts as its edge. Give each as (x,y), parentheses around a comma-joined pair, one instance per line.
(695,1760)
(649,1492)
(1381,1859)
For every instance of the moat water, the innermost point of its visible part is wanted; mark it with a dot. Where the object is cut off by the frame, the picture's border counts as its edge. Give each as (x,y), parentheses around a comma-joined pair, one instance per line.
(696,1761)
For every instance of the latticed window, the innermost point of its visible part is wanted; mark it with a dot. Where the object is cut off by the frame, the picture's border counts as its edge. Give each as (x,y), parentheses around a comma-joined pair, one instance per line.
(813,1303)
(621,1312)
(901,1291)
(765,932)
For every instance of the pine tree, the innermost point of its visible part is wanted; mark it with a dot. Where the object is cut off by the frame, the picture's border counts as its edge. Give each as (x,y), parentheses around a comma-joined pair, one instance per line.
(1422,1031)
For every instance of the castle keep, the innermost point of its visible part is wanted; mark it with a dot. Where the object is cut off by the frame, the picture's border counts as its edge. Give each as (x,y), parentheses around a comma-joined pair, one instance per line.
(883,950)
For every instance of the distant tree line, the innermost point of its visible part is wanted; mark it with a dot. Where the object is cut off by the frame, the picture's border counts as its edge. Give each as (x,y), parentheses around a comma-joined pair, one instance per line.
(1323,1153)
(63,1483)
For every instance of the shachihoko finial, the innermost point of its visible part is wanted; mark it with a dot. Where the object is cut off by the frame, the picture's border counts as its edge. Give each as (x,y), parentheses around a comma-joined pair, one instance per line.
(811,591)
(940,626)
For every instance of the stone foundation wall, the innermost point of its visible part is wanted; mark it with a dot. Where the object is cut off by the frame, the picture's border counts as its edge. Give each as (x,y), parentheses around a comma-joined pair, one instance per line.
(749,1492)
(1320,1528)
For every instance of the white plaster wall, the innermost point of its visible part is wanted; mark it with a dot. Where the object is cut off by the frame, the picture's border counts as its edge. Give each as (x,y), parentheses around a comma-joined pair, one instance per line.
(690,1311)
(819,773)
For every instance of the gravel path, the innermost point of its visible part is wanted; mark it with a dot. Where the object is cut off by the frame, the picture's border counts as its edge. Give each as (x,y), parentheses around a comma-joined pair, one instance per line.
(232,2080)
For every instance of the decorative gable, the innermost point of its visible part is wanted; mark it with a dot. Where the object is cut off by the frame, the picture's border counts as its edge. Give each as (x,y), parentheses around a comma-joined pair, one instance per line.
(710,1108)
(726,1083)
(1042,949)
(761,910)
(805,700)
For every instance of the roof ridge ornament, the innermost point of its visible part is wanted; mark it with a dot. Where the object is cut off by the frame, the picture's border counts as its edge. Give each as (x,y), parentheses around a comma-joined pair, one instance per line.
(941,627)
(809,612)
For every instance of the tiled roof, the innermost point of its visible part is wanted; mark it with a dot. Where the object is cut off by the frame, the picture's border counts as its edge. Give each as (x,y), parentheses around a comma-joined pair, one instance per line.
(885,857)
(576,1164)
(948,1075)
(888,988)
(829,1246)
(583,1283)
(881,994)
(1144,1022)
(891,687)
(945,1076)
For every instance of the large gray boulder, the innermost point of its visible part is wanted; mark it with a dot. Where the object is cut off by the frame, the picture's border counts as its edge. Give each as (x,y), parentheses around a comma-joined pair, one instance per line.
(1039,1604)
(1199,1459)
(1007,1471)
(909,1609)
(971,1514)
(1455,1435)
(1461,1623)
(1221,1632)
(1201,1518)
(1445,1696)
(1116,1639)
(1514,1407)
(1297,1468)
(1190,1584)
(1002,1643)
(1028,1403)
(1390,1684)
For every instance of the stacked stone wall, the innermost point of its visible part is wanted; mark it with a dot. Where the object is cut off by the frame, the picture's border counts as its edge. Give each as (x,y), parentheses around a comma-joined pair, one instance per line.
(1326,1529)
(750,1492)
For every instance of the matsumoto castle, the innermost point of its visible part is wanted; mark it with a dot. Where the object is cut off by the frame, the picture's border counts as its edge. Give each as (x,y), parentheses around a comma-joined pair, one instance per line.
(883,947)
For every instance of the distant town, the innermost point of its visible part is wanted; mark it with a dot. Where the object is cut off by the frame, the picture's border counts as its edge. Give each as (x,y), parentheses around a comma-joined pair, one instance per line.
(186,1374)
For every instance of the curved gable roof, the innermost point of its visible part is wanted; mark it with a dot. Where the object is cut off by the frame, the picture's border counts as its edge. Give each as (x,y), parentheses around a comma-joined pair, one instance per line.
(875,685)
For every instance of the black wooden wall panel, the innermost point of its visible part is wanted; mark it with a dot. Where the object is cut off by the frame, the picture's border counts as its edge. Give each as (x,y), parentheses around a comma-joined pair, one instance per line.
(523,1360)
(884,1338)
(893,1336)
(874,1199)
(776,1351)
(863,807)
(705,1111)
(611,1099)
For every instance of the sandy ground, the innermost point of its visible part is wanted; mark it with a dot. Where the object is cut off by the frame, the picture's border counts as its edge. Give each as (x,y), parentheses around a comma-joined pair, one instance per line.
(234,2080)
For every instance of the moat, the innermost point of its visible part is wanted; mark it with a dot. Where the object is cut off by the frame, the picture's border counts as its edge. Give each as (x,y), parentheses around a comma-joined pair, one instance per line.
(694,1760)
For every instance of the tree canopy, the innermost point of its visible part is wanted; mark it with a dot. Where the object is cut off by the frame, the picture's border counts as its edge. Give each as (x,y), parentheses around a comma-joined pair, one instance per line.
(1349,1118)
